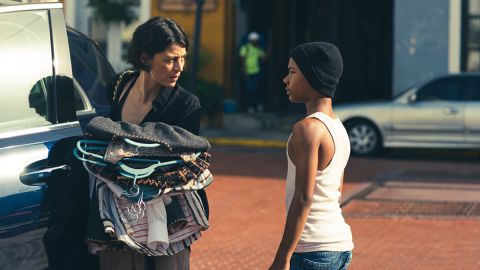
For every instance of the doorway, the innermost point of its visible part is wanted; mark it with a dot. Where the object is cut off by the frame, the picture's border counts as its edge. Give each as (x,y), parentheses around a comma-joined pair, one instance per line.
(361,29)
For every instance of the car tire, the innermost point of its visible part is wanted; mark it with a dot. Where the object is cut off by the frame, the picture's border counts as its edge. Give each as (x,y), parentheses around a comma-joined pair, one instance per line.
(365,139)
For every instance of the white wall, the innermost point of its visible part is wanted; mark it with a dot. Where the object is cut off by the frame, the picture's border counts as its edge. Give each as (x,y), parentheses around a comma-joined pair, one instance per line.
(426,40)
(79,15)
(455,36)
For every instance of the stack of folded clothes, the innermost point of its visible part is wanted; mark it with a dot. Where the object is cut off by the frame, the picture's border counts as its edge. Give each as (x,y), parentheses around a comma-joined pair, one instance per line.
(143,181)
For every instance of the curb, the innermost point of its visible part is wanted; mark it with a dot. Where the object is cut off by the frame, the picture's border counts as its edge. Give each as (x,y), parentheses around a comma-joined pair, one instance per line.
(223,141)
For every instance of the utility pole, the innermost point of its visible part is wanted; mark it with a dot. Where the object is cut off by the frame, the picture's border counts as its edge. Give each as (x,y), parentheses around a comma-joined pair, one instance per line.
(196,45)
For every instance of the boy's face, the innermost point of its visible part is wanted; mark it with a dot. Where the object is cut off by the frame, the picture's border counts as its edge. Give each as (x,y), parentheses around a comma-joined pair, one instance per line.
(297,86)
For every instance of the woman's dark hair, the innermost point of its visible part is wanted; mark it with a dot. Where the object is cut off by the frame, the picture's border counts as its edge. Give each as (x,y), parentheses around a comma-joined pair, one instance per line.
(154,36)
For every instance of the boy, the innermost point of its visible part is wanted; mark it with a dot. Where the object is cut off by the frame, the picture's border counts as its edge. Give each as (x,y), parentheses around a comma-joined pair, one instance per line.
(315,235)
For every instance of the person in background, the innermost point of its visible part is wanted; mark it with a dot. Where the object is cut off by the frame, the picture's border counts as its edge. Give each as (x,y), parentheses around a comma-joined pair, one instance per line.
(252,55)
(316,235)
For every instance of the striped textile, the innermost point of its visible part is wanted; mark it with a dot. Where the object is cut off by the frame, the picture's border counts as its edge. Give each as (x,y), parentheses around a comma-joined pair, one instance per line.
(136,232)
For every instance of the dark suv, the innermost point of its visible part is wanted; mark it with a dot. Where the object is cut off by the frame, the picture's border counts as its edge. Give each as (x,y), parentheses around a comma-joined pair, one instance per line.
(51,78)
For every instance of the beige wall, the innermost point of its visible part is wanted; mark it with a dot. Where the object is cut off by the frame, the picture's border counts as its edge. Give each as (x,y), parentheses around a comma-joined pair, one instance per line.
(213,37)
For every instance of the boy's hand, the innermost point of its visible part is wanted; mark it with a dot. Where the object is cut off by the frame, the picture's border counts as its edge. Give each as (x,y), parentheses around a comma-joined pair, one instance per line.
(279,266)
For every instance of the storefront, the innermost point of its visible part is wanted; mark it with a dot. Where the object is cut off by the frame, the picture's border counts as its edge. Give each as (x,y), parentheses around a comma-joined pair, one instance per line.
(387,45)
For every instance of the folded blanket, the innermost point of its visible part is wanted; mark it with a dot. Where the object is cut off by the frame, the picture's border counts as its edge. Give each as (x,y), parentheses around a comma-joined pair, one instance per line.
(171,138)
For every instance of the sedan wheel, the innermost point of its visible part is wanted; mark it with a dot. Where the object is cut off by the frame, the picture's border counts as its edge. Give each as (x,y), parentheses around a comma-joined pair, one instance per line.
(364,138)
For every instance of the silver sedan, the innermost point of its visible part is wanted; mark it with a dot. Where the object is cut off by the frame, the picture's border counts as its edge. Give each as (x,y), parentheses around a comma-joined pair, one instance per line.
(441,113)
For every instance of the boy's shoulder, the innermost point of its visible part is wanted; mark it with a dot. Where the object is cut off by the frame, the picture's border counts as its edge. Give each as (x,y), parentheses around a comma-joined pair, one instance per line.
(308,129)
(309,123)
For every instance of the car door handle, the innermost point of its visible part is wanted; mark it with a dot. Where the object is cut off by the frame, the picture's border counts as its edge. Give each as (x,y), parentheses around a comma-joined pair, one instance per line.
(40,176)
(450,110)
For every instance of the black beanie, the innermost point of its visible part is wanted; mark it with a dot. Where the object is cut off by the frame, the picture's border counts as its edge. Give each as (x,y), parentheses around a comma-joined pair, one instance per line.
(321,63)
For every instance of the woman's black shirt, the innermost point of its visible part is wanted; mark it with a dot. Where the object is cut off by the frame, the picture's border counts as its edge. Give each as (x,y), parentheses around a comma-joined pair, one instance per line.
(173,106)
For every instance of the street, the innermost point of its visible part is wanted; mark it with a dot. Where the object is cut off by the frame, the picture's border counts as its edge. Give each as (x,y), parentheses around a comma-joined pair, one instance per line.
(240,74)
(247,206)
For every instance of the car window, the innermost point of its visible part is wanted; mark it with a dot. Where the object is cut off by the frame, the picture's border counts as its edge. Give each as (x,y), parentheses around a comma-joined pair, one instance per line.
(475,94)
(26,70)
(446,89)
(80,103)
(91,70)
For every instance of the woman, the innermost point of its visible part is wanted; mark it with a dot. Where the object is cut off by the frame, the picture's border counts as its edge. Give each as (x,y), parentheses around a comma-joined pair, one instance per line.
(150,93)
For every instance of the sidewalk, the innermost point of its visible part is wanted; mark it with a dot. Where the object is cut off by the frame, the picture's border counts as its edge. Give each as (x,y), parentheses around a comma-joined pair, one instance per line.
(252,130)
(246,137)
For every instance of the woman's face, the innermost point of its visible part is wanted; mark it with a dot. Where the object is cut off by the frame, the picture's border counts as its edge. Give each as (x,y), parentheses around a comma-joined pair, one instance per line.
(166,66)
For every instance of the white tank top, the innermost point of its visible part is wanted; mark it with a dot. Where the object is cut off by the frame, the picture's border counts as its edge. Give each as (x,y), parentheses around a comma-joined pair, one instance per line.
(325,229)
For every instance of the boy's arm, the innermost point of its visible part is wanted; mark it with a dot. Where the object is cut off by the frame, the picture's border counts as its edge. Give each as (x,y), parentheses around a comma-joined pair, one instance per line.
(305,141)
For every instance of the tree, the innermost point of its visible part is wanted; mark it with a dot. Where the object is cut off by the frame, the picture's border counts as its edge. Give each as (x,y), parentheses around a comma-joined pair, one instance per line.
(114,14)
(113,11)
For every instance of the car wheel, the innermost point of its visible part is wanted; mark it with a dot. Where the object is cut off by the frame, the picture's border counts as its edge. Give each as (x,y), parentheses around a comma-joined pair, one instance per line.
(364,137)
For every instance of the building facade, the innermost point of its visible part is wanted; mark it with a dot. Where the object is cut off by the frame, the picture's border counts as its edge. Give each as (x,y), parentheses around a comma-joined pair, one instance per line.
(387,45)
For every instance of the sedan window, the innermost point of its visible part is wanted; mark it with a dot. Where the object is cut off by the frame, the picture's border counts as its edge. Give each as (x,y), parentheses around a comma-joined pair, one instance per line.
(91,70)
(475,94)
(446,89)
(26,70)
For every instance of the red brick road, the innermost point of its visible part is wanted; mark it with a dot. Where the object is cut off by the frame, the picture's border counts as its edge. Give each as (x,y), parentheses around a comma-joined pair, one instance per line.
(248,214)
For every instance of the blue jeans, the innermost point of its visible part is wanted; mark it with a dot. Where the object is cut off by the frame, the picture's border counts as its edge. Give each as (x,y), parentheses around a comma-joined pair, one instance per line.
(321,260)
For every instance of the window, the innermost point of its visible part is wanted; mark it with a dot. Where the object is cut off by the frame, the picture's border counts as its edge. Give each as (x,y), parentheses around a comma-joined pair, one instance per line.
(92,72)
(471,35)
(81,104)
(447,89)
(25,70)
(475,94)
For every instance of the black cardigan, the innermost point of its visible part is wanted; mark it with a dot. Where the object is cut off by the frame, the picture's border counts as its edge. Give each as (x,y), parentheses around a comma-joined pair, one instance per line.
(173,106)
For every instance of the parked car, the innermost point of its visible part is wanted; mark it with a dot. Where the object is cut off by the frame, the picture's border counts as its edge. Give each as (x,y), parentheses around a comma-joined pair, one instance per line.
(441,113)
(50,79)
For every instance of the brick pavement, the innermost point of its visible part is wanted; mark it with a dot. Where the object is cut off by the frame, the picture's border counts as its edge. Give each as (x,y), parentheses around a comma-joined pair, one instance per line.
(246,224)
(248,214)
(407,243)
